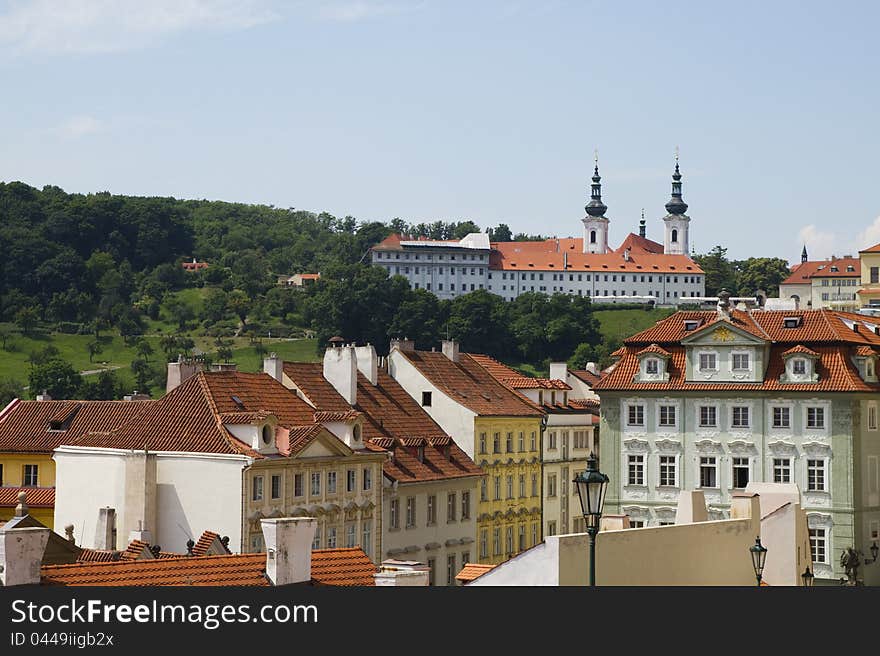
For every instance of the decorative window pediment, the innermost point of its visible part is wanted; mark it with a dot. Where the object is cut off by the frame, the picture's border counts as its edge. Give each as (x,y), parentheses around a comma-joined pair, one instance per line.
(653,362)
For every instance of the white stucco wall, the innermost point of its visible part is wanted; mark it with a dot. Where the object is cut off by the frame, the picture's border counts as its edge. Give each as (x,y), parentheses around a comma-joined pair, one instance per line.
(455,419)
(195,492)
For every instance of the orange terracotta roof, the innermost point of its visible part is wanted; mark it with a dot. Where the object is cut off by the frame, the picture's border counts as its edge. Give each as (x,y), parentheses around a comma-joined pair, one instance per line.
(25,425)
(391,242)
(472,571)
(546,256)
(497,369)
(525,382)
(587,376)
(638,243)
(37,497)
(190,417)
(336,415)
(97,556)
(393,421)
(653,348)
(802,273)
(469,384)
(800,348)
(205,541)
(348,567)
(586,404)
(135,550)
(310,276)
(871,249)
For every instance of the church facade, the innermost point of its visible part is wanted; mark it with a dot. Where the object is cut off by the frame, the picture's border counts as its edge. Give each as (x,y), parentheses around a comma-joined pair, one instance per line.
(639,270)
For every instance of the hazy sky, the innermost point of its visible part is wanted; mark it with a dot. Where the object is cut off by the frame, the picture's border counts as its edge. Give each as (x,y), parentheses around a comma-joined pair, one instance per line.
(488,111)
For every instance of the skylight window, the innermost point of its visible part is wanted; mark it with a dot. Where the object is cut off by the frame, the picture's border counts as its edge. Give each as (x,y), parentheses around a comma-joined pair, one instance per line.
(238,401)
(791,322)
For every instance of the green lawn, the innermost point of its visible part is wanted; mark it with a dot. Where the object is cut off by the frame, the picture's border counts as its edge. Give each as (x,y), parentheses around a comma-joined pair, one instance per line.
(623,323)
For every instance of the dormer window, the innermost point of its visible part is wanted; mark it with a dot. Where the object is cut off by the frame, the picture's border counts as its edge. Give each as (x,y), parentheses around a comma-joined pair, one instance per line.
(691,324)
(791,322)
(799,367)
(850,268)
(652,366)
(356,433)
(267,434)
(869,368)
(833,268)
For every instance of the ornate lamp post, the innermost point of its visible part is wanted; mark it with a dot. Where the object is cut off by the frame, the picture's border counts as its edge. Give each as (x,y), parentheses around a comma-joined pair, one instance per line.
(759,555)
(591,487)
(808,577)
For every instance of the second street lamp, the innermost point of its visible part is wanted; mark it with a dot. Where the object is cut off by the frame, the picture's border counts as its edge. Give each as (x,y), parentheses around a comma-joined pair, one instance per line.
(591,486)
(759,555)
(807,576)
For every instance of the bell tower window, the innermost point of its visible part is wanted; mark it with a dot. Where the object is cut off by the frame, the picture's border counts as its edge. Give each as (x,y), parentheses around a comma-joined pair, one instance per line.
(592,236)
(674,236)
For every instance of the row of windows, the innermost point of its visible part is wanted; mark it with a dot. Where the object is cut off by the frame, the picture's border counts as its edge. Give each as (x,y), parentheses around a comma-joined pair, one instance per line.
(315,484)
(328,538)
(29,475)
(428,256)
(695,280)
(740,470)
(841,282)
(484,487)
(507,546)
(581,440)
(613,293)
(451,568)
(740,416)
(709,362)
(431,510)
(451,286)
(508,442)
(416,270)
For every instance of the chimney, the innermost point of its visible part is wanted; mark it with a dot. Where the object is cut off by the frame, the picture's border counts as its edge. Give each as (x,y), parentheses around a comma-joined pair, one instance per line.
(402,345)
(565,260)
(135,396)
(180,371)
(340,370)
(401,573)
(105,530)
(274,366)
(44,396)
(368,362)
(289,549)
(592,368)
(691,507)
(21,554)
(450,349)
(559,371)
(140,487)
(614,522)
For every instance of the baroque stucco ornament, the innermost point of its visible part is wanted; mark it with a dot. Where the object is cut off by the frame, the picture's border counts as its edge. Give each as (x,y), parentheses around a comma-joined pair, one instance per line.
(723,335)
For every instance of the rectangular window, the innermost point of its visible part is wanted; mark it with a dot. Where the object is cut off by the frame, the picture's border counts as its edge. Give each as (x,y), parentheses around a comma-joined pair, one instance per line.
(350,533)
(257,491)
(872,419)
(651,366)
(497,488)
(534,485)
(426,399)
(509,443)
(410,512)
(816,475)
(781,417)
(368,479)
(31,476)
(551,440)
(465,505)
(522,442)
(532,442)
(782,470)
(432,509)
(484,544)
(510,487)
(316,484)
(799,366)
(450,569)
(708,416)
(551,528)
(276,486)
(636,415)
(636,523)
(668,474)
(450,507)
(331,482)
(636,470)
(740,472)
(394,521)
(432,568)
(534,533)
(667,415)
(551,485)
(875,275)
(740,361)
(522,537)
(818,544)
(316,543)
(522,485)
(496,443)
(815,417)
(366,541)
(297,485)
(350,480)
(331,537)
(496,541)
(708,471)
(509,536)
(740,416)
(708,362)
(482,443)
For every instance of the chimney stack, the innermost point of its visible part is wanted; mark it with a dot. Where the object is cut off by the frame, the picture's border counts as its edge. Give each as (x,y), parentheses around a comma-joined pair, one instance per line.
(340,370)
(559,371)
(289,549)
(21,554)
(136,396)
(404,344)
(368,362)
(274,366)
(105,531)
(592,368)
(44,396)
(180,371)
(450,349)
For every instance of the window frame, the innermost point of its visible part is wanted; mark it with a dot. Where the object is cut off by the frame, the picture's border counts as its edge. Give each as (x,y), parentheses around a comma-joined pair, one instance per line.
(635,469)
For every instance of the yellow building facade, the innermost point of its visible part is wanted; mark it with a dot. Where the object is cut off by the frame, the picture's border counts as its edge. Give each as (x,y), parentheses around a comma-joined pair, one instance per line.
(509,520)
(869,293)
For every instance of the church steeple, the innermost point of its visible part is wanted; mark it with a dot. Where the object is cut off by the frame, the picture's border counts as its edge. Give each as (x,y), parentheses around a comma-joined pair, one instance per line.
(596,207)
(676,205)
(804,254)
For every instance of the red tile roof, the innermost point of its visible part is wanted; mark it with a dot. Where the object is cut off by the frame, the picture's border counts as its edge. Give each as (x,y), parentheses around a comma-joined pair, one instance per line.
(587,376)
(392,421)
(653,348)
(828,334)
(469,384)
(865,351)
(802,273)
(871,249)
(472,571)
(25,425)
(191,417)
(97,556)
(348,415)
(514,379)
(37,497)
(800,348)
(638,243)
(345,567)
(205,541)
(497,369)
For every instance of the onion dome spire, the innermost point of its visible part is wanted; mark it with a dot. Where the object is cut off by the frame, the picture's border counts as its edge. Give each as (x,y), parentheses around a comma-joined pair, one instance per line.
(676,205)
(596,207)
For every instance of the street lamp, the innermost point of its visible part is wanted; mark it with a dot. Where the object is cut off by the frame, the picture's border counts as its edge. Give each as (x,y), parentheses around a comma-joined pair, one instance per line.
(808,577)
(591,487)
(874,549)
(759,555)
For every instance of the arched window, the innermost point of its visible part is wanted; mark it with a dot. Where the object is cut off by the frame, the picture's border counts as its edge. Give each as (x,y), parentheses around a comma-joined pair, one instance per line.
(674,236)
(592,236)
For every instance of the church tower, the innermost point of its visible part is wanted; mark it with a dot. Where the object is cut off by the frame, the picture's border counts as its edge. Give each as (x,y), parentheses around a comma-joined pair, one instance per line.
(675,241)
(595,223)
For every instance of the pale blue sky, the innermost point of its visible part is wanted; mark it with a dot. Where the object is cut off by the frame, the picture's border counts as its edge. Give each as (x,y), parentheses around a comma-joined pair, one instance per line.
(487,111)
